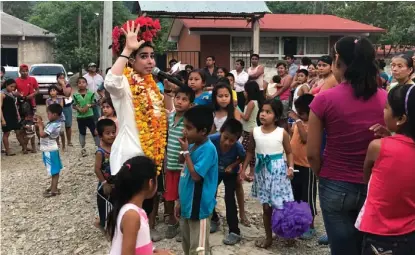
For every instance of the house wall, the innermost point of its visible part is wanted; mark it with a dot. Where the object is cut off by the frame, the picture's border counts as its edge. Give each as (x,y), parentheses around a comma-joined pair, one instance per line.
(218,46)
(35,51)
(188,49)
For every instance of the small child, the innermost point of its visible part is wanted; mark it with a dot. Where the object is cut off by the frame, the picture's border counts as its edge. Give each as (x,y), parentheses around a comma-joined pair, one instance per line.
(387,216)
(272,176)
(300,86)
(84,101)
(230,155)
(49,146)
(304,184)
(128,224)
(198,181)
(10,116)
(231,79)
(108,112)
(54,99)
(106,131)
(196,82)
(274,86)
(182,102)
(223,106)
(29,132)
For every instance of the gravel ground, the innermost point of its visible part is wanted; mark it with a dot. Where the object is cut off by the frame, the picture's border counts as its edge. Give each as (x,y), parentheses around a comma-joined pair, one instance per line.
(31,224)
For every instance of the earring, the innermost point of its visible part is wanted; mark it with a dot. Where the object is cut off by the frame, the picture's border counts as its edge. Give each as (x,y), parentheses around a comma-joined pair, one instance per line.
(397,123)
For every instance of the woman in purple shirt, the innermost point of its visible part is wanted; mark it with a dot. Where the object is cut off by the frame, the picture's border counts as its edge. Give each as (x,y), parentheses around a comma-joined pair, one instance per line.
(346,112)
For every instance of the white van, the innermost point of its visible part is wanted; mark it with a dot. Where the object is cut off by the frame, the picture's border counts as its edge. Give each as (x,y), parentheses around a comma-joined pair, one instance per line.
(45,75)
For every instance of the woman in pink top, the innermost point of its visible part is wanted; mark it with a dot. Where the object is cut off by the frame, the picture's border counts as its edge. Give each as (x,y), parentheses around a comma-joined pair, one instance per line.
(326,80)
(388,215)
(345,112)
(127,222)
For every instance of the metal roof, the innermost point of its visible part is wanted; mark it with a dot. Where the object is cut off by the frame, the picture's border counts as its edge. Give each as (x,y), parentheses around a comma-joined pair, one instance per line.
(12,26)
(200,9)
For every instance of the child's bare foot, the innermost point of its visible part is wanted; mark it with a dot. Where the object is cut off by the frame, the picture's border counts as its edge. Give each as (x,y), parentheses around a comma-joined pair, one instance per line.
(245,221)
(263,243)
(25,152)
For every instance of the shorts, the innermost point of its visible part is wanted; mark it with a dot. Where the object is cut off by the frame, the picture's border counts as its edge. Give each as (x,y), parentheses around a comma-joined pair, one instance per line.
(67,112)
(286,108)
(172,185)
(304,187)
(52,161)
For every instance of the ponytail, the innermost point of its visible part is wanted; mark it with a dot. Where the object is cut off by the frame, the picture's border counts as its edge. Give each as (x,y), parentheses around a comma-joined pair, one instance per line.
(358,55)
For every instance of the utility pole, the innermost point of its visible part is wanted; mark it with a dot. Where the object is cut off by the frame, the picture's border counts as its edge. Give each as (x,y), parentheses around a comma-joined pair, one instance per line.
(80,36)
(106,36)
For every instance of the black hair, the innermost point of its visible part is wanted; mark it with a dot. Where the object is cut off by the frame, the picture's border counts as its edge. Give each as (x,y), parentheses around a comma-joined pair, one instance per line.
(302,104)
(108,100)
(201,117)
(326,59)
(396,99)
(223,80)
(188,91)
(230,75)
(3,70)
(200,72)
(282,64)
(313,64)
(241,62)
(212,57)
(277,108)
(102,124)
(381,63)
(132,178)
(253,92)
(358,55)
(106,70)
(254,55)
(305,72)
(172,61)
(81,78)
(224,70)
(59,75)
(55,109)
(276,79)
(189,66)
(9,82)
(182,75)
(51,87)
(408,60)
(289,56)
(306,61)
(230,108)
(233,126)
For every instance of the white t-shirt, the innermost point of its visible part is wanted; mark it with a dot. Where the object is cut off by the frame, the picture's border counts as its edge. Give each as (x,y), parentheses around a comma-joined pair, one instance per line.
(240,80)
(94,82)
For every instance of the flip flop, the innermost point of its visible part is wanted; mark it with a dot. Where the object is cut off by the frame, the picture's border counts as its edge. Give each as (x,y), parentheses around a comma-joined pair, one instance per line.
(50,194)
(10,154)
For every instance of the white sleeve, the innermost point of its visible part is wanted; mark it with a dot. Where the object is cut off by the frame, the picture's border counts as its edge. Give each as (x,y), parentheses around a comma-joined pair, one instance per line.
(115,84)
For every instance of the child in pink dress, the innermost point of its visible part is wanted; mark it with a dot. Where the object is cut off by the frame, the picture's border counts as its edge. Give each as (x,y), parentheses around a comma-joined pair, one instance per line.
(128,222)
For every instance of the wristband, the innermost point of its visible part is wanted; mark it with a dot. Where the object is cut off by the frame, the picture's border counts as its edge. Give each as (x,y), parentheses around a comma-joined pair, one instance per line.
(124,56)
(184,153)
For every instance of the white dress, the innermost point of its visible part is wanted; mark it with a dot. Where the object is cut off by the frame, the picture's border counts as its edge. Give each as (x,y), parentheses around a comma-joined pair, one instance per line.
(296,96)
(271,184)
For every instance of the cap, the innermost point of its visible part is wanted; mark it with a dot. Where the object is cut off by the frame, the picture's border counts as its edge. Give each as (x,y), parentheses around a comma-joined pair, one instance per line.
(23,66)
(92,64)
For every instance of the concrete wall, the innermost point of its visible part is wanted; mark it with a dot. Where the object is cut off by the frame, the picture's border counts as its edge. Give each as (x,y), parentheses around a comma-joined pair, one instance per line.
(218,46)
(35,51)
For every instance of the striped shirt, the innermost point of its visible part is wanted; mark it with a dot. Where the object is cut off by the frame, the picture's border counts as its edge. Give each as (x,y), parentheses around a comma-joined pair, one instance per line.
(173,145)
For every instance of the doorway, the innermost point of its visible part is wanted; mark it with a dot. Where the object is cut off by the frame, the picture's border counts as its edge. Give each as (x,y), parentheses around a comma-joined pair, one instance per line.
(290,45)
(9,56)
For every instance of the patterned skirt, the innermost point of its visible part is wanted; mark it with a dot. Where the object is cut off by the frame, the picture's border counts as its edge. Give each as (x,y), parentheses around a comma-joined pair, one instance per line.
(271,184)
(245,144)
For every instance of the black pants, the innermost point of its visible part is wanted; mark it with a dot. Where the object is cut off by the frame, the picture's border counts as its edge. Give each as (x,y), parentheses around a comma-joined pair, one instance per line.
(84,123)
(231,211)
(104,204)
(241,100)
(396,245)
(304,187)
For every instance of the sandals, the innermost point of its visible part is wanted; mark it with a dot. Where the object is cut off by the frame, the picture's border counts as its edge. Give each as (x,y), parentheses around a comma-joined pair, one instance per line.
(50,194)
(49,190)
(10,154)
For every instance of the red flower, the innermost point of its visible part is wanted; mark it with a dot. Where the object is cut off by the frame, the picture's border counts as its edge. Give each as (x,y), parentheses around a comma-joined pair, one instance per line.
(147,36)
(156,25)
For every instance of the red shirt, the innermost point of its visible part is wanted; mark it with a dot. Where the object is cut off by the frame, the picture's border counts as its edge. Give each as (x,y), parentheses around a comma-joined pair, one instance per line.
(389,209)
(27,86)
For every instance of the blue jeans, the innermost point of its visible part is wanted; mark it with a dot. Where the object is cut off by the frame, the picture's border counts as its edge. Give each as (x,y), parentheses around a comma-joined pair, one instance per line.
(340,204)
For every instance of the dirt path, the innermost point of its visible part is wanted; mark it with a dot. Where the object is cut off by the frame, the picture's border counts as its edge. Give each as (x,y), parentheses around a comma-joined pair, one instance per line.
(31,224)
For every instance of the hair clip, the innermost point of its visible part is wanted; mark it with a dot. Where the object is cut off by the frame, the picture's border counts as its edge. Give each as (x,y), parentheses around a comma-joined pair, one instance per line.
(129,166)
(355,41)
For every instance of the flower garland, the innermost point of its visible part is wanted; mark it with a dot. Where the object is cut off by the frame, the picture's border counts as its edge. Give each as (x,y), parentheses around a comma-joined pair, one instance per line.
(150,116)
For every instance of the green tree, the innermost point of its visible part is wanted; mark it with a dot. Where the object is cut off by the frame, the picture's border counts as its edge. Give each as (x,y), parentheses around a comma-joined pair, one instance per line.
(21,10)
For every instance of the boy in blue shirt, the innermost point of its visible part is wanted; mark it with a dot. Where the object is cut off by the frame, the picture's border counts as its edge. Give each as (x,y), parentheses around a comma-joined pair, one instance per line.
(230,154)
(198,181)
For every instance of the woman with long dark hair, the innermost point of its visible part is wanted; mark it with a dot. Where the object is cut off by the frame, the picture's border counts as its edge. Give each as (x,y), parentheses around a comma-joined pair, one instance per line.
(346,112)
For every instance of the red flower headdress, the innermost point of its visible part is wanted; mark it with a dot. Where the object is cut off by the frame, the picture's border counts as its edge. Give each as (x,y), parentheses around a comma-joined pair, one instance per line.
(148,30)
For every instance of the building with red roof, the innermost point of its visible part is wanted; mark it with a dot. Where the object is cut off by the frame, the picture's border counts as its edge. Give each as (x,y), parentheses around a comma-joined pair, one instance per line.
(227,39)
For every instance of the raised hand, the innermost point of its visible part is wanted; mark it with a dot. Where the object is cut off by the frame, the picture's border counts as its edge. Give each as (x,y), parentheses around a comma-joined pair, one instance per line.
(131,41)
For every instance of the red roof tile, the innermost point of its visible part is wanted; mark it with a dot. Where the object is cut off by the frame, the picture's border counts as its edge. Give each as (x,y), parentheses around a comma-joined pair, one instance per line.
(288,23)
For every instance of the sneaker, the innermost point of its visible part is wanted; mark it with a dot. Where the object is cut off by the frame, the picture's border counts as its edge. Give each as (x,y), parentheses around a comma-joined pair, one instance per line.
(172,231)
(323,240)
(155,235)
(232,239)
(214,226)
(83,152)
(309,234)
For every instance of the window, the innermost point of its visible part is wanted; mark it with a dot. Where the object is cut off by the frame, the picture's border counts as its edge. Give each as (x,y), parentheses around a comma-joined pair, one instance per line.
(300,46)
(269,45)
(46,70)
(317,45)
(241,43)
